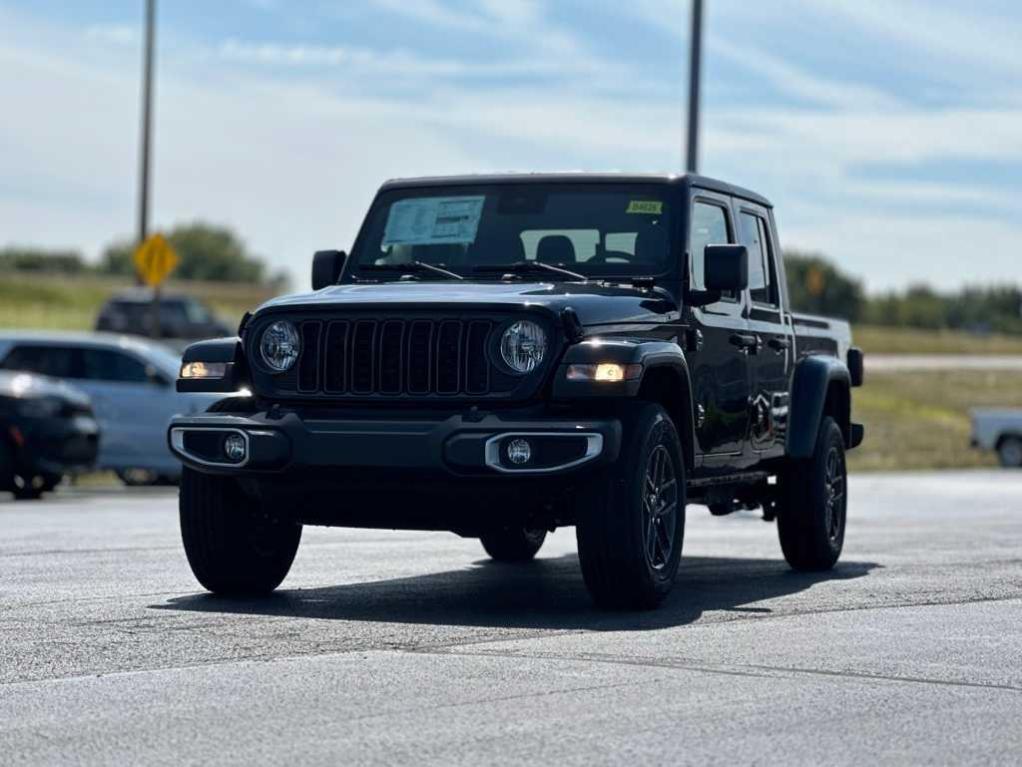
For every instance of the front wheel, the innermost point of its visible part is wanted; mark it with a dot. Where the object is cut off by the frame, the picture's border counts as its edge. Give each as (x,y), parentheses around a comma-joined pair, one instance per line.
(631,520)
(232,546)
(814,507)
(513,544)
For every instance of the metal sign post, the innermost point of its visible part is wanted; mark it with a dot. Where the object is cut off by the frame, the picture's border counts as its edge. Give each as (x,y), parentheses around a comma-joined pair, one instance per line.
(143,181)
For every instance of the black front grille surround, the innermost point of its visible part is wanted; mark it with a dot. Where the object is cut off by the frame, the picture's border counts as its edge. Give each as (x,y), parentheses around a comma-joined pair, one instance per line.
(407,356)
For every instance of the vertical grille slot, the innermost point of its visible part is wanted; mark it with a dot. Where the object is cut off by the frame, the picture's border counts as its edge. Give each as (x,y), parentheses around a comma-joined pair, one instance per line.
(363,351)
(308,365)
(420,346)
(448,357)
(391,347)
(477,367)
(335,352)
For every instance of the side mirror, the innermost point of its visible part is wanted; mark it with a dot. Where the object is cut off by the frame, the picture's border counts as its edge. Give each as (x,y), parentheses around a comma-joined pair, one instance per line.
(726,268)
(326,267)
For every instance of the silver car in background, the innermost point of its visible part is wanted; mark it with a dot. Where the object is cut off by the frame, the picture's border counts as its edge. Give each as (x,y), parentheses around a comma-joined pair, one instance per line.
(131,384)
(999,430)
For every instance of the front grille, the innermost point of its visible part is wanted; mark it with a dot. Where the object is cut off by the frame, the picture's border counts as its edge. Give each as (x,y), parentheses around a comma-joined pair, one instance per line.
(361,357)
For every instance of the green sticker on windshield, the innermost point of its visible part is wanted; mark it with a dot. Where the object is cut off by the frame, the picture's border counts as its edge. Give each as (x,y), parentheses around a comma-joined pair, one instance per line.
(646,207)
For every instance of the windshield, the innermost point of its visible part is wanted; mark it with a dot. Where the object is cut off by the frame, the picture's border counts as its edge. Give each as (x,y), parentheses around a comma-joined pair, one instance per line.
(597,230)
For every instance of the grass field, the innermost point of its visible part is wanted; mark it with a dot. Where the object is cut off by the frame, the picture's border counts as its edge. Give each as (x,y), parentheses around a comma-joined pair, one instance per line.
(921,420)
(882,340)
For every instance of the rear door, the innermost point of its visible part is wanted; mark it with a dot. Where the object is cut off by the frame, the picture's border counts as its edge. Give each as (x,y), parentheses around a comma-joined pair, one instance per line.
(770,367)
(718,363)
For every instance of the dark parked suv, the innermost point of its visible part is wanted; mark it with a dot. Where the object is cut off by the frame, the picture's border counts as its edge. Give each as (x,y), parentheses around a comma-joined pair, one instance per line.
(500,356)
(181,317)
(47,430)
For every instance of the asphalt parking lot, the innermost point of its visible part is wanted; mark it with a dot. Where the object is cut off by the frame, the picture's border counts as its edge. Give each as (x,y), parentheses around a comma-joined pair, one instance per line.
(394,647)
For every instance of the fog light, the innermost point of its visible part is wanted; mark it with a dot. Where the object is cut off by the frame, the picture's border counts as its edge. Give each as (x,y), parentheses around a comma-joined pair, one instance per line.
(519,451)
(235,448)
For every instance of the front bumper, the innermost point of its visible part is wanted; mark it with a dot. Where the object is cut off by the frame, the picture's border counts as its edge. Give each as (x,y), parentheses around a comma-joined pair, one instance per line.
(463,444)
(54,445)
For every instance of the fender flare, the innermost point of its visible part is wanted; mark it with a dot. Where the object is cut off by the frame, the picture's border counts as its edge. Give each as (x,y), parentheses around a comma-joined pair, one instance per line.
(811,383)
(654,356)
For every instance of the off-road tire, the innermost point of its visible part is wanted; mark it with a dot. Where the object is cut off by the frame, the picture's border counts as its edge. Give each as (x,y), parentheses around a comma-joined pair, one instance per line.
(629,561)
(232,546)
(814,503)
(1009,451)
(513,544)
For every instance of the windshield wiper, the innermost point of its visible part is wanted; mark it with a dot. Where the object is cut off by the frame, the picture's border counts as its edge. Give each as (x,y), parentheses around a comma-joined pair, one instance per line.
(412,267)
(523,267)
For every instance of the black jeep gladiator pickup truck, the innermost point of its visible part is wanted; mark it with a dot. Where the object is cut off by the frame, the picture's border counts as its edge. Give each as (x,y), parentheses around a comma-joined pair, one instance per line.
(500,356)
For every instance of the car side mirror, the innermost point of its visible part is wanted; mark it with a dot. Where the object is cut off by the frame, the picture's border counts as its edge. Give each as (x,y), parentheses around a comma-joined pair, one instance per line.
(156,378)
(726,268)
(326,267)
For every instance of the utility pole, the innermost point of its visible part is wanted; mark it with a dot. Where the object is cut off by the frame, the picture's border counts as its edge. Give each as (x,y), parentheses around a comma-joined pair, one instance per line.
(695,57)
(147,111)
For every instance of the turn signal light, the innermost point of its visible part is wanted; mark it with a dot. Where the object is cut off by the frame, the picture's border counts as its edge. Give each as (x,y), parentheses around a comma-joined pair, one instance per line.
(607,372)
(204,370)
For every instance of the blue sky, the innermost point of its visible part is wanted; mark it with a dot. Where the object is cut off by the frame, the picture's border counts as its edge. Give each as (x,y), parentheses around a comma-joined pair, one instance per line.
(887,132)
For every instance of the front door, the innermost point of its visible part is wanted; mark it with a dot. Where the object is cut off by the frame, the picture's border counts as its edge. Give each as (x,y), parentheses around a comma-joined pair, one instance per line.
(718,360)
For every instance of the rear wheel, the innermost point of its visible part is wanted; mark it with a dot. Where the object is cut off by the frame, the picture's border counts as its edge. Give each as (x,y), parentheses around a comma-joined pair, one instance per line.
(513,544)
(1009,451)
(812,514)
(631,520)
(232,546)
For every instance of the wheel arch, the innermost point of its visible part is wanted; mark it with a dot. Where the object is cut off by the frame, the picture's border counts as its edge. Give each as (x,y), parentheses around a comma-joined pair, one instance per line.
(669,386)
(821,387)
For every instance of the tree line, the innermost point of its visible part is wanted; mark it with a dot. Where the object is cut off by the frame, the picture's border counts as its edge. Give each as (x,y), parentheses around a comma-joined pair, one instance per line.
(817,286)
(207,252)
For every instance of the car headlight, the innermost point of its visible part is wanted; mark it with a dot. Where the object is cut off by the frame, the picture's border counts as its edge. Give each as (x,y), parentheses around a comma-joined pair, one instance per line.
(280,346)
(39,407)
(522,346)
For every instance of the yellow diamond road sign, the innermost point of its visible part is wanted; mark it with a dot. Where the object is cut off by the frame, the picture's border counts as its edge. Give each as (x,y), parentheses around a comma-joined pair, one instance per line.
(155,259)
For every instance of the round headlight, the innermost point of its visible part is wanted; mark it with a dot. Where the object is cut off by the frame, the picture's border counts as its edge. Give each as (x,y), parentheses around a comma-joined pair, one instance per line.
(280,346)
(522,346)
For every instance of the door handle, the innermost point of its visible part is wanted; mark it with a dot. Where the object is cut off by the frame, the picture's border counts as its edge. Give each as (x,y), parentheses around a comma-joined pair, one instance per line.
(745,342)
(779,344)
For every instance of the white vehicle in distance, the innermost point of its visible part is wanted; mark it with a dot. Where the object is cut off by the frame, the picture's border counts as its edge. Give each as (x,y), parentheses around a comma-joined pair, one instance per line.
(131,384)
(999,430)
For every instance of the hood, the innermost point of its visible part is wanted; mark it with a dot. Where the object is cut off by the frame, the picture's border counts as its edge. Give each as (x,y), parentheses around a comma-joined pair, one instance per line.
(29,385)
(595,303)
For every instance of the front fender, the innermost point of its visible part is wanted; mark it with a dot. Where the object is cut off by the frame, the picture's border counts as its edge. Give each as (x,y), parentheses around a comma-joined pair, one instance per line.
(664,378)
(816,378)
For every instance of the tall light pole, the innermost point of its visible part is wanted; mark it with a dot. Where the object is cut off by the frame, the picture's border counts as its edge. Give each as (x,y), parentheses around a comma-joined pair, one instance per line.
(147,111)
(146,145)
(695,57)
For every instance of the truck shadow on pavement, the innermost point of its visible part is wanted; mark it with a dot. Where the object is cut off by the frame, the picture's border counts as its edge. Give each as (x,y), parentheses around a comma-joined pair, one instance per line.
(545,594)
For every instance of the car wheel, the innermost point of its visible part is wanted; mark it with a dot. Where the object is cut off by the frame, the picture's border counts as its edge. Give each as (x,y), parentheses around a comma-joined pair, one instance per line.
(631,519)
(6,466)
(28,488)
(138,477)
(233,547)
(513,544)
(814,506)
(1009,451)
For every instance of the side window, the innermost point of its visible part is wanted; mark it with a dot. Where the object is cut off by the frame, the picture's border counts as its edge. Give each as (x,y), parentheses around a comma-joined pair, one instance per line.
(762,277)
(56,361)
(709,227)
(112,366)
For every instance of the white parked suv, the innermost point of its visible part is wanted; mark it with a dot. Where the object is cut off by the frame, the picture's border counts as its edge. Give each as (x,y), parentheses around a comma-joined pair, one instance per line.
(131,384)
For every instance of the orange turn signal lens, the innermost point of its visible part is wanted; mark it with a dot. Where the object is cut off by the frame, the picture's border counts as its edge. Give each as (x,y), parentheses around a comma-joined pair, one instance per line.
(606,372)
(204,370)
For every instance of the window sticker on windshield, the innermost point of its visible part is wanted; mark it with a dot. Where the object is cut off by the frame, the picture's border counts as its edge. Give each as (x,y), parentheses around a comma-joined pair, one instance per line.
(434,221)
(647,207)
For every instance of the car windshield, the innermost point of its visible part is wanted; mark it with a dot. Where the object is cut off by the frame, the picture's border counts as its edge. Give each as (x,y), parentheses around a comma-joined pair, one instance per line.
(602,230)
